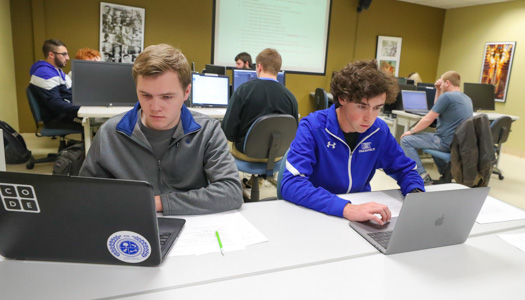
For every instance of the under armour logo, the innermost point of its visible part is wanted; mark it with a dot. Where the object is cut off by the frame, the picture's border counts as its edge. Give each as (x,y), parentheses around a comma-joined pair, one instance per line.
(330,145)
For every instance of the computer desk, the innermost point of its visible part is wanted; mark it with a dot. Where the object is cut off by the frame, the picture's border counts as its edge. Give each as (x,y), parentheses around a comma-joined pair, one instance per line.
(408,120)
(484,268)
(299,239)
(90,113)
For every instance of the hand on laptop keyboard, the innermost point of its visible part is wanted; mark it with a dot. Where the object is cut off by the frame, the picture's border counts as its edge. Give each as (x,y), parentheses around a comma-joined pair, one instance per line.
(367,211)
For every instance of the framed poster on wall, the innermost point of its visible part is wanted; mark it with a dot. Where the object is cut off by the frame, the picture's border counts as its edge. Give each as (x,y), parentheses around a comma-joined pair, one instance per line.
(121,32)
(388,54)
(496,66)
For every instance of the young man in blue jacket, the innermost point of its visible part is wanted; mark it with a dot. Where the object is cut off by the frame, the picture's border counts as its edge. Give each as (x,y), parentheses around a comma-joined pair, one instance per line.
(337,150)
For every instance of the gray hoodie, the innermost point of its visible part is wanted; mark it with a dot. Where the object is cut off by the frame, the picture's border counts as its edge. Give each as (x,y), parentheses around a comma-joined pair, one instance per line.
(197,175)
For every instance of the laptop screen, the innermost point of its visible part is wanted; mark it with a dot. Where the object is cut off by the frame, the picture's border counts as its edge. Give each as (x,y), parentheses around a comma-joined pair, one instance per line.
(241,76)
(209,90)
(414,100)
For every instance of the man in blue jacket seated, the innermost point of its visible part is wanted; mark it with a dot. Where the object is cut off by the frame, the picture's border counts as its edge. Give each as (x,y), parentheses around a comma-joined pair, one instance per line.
(184,155)
(52,88)
(338,150)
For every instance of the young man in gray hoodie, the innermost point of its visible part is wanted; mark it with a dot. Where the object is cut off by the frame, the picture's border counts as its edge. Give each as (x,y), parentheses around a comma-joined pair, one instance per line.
(184,155)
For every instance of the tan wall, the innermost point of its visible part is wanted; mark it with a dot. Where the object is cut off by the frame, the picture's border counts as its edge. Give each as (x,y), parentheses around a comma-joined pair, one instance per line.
(8,104)
(188,25)
(465,33)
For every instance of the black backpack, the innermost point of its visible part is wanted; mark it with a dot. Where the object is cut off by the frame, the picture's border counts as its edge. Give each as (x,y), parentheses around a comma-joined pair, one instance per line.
(69,160)
(15,147)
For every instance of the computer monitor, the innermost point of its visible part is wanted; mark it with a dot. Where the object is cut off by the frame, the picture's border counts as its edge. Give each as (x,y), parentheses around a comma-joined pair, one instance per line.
(209,90)
(425,84)
(240,76)
(431,94)
(482,95)
(398,104)
(213,69)
(97,83)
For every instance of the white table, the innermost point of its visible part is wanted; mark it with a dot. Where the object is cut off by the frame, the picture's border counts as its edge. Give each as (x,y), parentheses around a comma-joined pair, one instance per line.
(300,240)
(89,113)
(484,268)
(408,120)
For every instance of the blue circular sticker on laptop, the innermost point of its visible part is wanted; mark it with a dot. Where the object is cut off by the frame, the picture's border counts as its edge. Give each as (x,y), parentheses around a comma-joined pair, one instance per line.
(129,247)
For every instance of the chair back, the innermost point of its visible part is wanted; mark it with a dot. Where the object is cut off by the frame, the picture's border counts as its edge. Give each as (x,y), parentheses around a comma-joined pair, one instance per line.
(34,106)
(269,137)
(280,175)
(500,129)
(321,99)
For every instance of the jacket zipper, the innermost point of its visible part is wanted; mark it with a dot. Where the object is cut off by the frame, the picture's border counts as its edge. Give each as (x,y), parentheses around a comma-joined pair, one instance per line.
(351,154)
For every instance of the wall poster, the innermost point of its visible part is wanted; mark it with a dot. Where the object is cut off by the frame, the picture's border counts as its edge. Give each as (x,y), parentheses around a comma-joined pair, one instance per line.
(496,65)
(388,54)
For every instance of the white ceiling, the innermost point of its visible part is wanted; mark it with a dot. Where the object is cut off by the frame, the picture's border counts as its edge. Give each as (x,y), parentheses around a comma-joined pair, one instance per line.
(446,4)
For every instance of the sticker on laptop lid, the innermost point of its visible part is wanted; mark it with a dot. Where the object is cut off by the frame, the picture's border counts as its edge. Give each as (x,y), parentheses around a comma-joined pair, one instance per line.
(129,247)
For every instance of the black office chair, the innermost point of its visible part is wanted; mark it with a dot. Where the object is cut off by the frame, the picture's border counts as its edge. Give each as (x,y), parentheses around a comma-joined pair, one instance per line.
(41,131)
(321,99)
(500,129)
(268,139)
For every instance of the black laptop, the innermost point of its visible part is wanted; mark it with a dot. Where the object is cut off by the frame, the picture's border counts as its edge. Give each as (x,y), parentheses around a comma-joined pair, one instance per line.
(78,219)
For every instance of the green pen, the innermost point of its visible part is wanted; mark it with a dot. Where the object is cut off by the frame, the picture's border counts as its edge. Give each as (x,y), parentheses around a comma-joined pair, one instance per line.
(219,240)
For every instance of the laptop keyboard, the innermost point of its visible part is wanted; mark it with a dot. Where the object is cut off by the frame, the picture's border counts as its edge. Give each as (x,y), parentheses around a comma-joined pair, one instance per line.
(382,237)
(164,237)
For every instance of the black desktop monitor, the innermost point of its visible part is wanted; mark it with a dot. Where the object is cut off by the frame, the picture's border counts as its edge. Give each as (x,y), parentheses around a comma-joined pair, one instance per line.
(209,90)
(240,76)
(213,69)
(482,95)
(425,84)
(97,83)
(401,80)
(431,94)
(398,104)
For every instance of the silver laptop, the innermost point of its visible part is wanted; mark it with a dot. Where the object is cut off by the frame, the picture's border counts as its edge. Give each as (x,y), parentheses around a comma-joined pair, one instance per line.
(427,220)
(414,102)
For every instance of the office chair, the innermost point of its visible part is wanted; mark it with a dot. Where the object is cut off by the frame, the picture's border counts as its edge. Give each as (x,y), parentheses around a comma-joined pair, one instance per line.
(500,129)
(470,160)
(280,175)
(267,139)
(41,131)
(321,99)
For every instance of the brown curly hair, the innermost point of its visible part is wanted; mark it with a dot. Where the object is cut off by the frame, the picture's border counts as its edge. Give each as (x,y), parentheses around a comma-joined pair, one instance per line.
(363,80)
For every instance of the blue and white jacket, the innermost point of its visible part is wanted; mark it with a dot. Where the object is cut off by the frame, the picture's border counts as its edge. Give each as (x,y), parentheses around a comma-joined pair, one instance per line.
(320,165)
(52,89)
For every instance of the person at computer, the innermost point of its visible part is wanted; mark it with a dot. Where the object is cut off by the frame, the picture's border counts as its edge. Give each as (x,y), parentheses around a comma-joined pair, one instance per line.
(86,54)
(451,108)
(338,150)
(257,98)
(415,76)
(52,87)
(182,154)
(243,60)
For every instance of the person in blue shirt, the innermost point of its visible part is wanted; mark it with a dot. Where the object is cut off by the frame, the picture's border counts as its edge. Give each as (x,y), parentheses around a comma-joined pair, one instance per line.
(338,150)
(52,87)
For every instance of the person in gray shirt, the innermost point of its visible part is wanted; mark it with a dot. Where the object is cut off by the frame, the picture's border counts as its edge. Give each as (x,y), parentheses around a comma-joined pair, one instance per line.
(184,155)
(451,108)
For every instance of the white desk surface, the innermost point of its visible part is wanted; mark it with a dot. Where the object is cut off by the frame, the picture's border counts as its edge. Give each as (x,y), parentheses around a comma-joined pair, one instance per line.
(299,238)
(483,268)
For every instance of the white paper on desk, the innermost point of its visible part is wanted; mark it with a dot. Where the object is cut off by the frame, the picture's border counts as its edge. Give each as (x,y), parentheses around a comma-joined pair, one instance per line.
(494,210)
(198,235)
(516,239)
(393,204)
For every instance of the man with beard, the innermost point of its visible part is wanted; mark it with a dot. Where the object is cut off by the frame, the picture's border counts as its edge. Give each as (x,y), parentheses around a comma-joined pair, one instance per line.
(52,87)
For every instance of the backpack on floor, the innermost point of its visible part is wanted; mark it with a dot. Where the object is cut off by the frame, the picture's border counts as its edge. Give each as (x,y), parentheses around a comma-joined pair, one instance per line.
(16,151)
(69,160)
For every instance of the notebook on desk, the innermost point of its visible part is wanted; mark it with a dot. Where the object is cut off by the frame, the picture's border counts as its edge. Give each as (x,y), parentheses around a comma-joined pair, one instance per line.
(78,219)
(427,220)
(414,102)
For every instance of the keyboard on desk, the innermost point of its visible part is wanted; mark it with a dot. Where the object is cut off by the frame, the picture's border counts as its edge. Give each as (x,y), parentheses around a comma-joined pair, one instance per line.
(417,112)
(382,237)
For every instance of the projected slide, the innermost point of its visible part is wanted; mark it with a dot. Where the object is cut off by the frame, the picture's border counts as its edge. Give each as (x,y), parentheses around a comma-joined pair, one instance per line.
(297,29)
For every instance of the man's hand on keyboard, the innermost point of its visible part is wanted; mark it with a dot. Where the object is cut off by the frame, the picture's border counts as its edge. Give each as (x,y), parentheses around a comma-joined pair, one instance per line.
(367,211)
